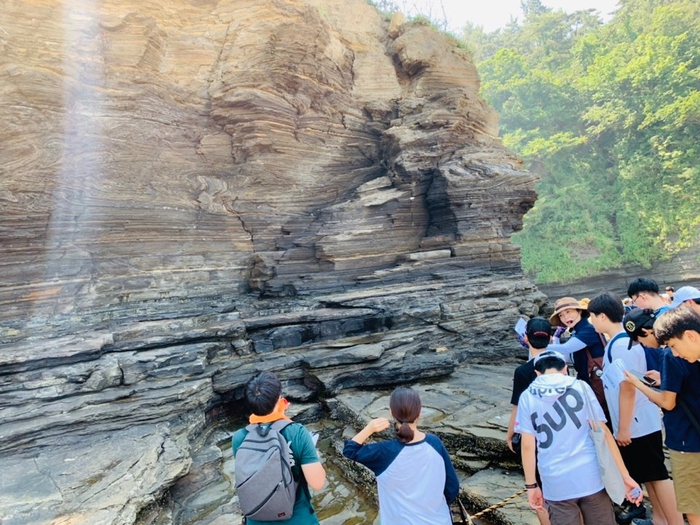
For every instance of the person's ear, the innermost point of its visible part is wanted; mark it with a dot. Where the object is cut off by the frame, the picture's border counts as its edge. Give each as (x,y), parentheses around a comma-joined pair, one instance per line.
(526,339)
(692,335)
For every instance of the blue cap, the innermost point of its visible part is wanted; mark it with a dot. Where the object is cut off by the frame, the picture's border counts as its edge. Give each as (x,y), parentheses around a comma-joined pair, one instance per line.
(684,294)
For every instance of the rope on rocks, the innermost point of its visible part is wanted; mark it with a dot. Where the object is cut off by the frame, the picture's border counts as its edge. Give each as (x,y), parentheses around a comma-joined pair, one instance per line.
(489,509)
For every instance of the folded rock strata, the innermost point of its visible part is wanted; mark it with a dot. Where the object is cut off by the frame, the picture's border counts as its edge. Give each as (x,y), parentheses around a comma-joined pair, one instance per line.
(191,192)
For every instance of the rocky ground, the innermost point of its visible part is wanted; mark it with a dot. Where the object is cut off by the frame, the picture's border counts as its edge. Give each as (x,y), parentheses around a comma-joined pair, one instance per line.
(101,427)
(469,411)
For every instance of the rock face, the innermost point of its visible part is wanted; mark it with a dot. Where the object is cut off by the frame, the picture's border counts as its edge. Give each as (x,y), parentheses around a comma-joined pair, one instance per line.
(194,191)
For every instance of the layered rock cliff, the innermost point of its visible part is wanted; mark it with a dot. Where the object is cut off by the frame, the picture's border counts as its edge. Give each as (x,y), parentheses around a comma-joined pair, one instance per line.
(193,191)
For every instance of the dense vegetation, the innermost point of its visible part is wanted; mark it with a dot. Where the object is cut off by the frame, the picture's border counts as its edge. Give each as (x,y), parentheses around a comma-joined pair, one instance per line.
(609,116)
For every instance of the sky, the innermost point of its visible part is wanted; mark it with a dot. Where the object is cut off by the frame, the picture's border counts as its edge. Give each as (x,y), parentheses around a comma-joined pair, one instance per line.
(492,14)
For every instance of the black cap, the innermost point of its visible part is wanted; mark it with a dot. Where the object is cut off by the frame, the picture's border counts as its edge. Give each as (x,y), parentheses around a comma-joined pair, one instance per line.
(635,320)
(538,331)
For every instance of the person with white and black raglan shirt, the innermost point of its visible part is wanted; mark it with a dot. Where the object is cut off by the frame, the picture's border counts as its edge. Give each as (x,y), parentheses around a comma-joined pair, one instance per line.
(636,420)
(416,481)
(553,418)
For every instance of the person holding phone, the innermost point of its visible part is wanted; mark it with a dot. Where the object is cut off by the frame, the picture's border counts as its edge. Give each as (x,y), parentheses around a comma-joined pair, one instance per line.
(679,397)
(552,418)
(636,421)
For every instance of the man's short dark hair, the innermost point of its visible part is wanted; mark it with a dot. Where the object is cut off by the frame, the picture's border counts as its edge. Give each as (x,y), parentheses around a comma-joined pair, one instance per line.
(262,393)
(674,322)
(609,304)
(547,362)
(642,285)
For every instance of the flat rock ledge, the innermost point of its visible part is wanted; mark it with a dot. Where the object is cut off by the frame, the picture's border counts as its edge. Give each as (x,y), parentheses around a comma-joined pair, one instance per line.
(89,478)
(469,411)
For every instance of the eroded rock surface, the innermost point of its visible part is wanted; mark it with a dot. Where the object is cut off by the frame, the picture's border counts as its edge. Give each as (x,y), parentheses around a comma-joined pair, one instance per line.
(194,191)
(469,410)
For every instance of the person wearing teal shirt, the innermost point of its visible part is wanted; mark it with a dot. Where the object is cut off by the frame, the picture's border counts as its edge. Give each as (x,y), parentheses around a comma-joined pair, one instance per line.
(263,393)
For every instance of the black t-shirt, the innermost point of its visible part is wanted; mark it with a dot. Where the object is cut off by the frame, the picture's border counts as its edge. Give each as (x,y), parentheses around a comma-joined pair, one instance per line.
(522,377)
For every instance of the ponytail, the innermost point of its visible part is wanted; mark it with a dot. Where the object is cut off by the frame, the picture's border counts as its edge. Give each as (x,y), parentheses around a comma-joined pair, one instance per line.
(405,407)
(403,432)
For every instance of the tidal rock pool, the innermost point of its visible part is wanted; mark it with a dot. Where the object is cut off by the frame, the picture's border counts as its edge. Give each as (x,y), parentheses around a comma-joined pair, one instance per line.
(470,421)
(206,496)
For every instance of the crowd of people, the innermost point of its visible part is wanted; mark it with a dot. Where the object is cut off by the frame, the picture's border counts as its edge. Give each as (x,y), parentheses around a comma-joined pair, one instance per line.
(635,379)
(630,358)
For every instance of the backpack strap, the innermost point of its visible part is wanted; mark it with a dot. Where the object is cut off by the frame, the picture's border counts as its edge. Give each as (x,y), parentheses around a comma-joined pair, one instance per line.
(278,425)
(608,348)
(688,412)
(281,424)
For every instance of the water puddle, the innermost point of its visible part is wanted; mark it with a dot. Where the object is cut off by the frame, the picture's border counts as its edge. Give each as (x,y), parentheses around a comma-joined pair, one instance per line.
(206,497)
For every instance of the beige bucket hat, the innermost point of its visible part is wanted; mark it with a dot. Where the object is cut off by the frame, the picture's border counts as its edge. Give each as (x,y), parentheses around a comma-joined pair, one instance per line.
(564,304)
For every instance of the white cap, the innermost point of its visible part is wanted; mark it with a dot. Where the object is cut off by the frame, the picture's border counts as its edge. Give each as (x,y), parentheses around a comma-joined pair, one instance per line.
(549,353)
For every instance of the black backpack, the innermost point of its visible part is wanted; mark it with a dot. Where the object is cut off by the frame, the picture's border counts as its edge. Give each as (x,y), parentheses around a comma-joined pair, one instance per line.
(265,484)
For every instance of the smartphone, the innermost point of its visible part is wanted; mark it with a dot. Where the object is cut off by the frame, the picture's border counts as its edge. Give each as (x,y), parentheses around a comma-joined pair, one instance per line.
(643,378)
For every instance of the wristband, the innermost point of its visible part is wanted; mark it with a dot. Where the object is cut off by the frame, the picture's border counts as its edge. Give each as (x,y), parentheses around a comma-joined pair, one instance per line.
(531,485)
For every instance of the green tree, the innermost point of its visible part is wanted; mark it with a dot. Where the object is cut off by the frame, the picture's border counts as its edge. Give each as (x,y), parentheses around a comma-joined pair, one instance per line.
(608,116)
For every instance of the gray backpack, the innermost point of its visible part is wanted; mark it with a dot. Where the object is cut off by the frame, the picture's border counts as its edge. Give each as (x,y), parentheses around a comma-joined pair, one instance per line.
(265,484)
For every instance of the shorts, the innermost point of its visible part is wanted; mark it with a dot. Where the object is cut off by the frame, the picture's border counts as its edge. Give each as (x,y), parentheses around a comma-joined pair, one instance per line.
(596,509)
(686,480)
(644,458)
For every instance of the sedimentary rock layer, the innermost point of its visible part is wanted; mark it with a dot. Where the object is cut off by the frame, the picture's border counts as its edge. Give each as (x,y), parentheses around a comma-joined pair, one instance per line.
(194,191)
(160,159)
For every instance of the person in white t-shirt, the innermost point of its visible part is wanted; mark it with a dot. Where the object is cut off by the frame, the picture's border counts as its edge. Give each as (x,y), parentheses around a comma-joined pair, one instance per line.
(636,420)
(553,418)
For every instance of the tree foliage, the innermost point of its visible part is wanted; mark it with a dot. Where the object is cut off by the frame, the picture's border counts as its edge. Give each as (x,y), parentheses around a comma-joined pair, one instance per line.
(609,116)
